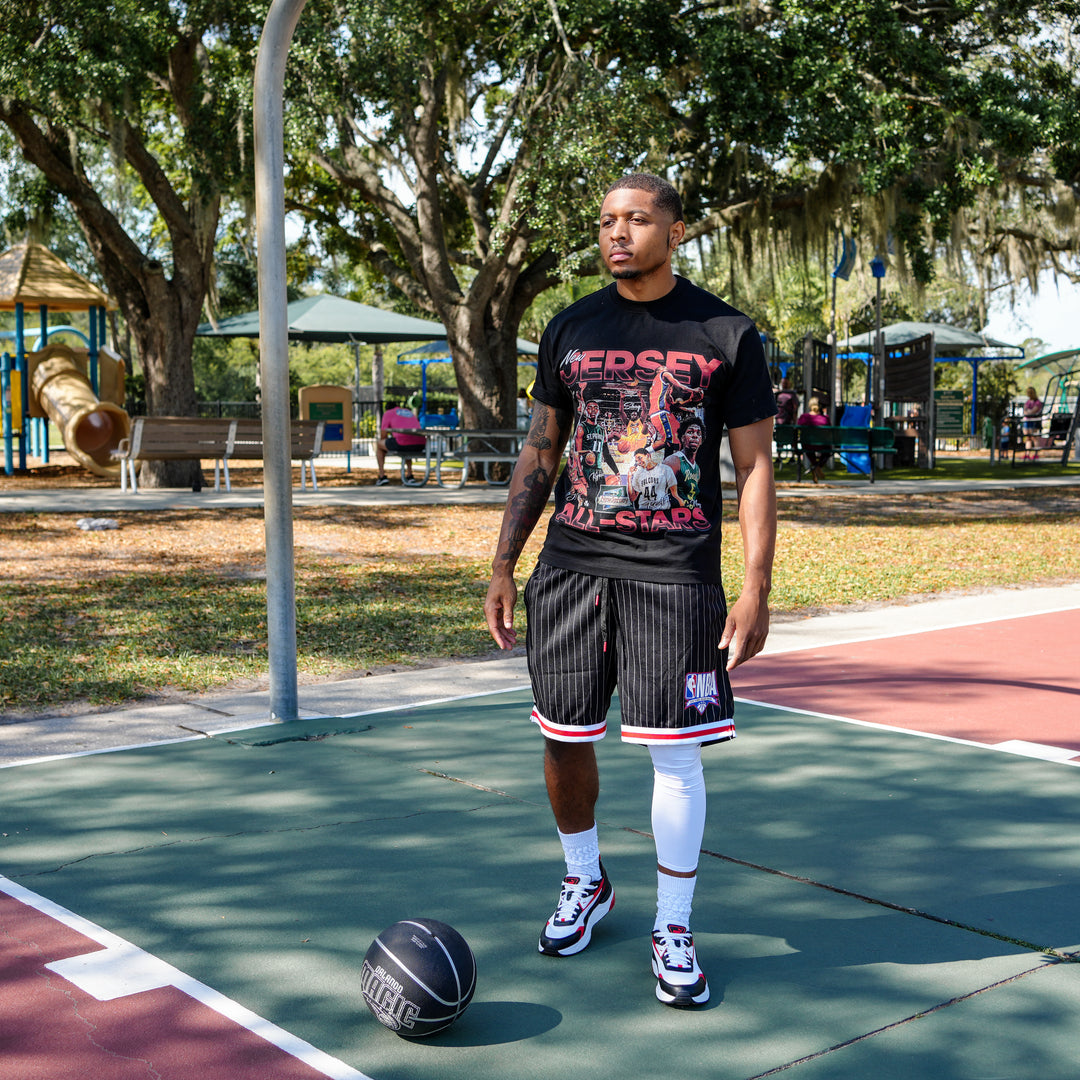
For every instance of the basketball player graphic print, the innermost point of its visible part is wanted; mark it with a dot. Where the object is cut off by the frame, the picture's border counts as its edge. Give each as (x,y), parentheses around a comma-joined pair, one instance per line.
(684,463)
(651,484)
(594,460)
(624,473)
(668,397)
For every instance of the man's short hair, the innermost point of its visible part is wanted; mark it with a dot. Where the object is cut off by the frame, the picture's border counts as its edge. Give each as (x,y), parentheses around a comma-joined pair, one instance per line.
(693,422)
(664,195)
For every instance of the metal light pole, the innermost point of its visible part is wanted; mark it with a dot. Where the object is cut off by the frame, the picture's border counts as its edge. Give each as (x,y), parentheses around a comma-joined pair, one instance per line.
(269,91)
(877,392)
(846,250)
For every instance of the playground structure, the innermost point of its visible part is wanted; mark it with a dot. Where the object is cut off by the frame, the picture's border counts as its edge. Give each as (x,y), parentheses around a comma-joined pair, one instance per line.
(81,389)
(1060,417)
(903,397)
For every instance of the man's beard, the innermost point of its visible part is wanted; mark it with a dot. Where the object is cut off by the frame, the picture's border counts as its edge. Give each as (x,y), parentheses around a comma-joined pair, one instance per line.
(625,275)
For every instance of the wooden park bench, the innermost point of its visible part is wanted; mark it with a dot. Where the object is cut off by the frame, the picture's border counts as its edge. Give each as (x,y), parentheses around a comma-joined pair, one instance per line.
(190,438)
(173,438)
(246,444)
(845,441)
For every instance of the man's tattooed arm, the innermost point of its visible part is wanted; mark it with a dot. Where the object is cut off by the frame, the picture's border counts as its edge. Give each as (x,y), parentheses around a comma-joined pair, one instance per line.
(534,476)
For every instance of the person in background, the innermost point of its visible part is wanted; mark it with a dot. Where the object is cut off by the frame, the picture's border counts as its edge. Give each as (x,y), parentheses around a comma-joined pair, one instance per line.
(815,417)
(395,427)
(1033,410)
(787,403)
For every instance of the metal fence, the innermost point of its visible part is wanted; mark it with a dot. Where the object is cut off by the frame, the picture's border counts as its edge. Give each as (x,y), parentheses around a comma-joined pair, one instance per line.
(243,410)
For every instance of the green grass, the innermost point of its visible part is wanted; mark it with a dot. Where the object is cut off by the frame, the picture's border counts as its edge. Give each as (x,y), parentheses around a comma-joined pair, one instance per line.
(830,567)
(110,639)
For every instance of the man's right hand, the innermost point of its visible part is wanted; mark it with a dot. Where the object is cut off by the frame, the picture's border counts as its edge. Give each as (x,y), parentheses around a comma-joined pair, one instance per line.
(499,610)
(530,485)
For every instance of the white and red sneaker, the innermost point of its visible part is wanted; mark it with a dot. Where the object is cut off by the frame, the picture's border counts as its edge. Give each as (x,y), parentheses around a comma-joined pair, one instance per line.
(582,904)
(680,982)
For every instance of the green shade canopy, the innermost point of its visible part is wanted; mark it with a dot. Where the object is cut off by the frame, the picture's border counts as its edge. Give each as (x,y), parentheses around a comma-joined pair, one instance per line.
(945,337)
(1058,363)
(332,318)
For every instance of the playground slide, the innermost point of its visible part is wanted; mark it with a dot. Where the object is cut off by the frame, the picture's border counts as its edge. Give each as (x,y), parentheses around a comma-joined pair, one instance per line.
(60,389)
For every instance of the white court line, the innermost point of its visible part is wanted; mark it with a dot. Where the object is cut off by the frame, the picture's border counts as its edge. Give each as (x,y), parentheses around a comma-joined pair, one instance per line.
(106,750)
(1012,746)
(164,974)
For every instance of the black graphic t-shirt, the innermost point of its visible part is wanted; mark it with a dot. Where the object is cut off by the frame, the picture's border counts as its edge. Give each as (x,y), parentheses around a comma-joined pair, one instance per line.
(651,387)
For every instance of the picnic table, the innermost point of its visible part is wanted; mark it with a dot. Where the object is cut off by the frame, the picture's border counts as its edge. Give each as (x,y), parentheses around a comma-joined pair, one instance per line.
(458,448)
(447,450)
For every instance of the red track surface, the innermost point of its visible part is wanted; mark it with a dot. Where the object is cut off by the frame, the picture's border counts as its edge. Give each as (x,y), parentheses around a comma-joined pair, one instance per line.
(987,683)
(52,1030)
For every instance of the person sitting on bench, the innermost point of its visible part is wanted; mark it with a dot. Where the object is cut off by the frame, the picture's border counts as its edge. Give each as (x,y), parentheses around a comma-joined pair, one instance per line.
(395,424)
(815,418)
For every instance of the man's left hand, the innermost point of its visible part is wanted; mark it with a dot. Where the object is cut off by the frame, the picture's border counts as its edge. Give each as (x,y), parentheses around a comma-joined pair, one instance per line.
(746,629)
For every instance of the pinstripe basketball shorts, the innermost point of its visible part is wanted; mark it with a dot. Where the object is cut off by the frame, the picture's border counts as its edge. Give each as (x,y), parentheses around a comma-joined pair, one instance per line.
(656,642)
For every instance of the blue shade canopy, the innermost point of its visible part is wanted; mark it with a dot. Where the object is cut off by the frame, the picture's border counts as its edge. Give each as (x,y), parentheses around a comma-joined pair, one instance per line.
(332,318)
(433,350)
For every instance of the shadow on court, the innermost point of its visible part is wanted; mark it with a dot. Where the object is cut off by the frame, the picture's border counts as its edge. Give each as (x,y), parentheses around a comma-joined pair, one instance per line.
(872,905)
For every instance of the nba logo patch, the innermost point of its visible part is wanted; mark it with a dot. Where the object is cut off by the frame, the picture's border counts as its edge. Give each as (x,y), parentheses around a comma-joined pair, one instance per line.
(701,691)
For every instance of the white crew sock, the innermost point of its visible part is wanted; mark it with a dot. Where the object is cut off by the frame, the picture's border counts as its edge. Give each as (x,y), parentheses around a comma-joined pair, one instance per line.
(674,900)
(582,853)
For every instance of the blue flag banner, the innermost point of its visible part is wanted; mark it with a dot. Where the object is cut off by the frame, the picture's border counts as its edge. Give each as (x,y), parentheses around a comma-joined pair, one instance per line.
(847,259)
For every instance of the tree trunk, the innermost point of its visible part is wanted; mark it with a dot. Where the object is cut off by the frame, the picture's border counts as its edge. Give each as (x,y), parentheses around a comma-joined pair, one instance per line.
(485,365)
(162,313)
(164,344)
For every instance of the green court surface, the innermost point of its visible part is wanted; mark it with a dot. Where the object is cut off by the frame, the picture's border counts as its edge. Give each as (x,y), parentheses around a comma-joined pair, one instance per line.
(874,904)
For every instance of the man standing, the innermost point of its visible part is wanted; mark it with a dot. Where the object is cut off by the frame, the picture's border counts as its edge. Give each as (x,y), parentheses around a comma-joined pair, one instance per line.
(613,583)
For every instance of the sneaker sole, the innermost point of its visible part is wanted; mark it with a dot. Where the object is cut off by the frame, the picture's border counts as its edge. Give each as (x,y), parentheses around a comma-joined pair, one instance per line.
(552,948)
(681,997)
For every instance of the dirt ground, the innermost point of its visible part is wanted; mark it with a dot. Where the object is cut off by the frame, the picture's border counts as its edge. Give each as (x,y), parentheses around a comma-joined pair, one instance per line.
(231,541)
(45,548)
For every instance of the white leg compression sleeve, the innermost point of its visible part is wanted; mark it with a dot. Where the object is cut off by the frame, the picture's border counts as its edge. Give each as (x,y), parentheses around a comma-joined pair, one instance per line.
(678,806)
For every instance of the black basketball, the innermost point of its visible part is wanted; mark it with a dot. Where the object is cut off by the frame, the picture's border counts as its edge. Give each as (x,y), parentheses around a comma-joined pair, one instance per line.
(418,977)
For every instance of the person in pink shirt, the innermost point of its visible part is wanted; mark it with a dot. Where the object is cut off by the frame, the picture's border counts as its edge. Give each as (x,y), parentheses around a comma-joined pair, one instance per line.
(396,426)
(1033,410)
(814,416)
